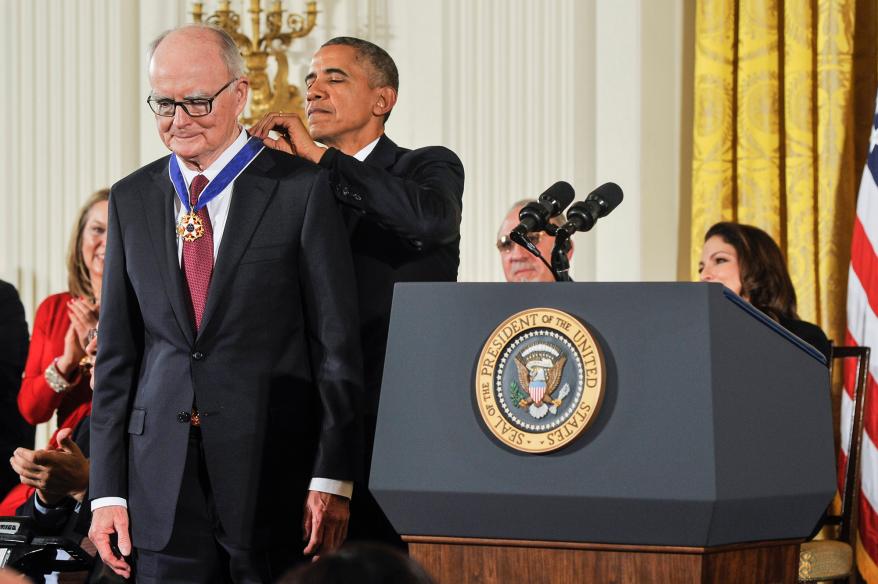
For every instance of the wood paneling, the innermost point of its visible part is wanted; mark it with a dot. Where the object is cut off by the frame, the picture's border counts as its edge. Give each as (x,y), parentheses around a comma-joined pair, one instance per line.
(451,561)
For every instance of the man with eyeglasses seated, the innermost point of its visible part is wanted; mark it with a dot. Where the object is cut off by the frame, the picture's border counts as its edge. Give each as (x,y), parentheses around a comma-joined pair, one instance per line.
(519,265)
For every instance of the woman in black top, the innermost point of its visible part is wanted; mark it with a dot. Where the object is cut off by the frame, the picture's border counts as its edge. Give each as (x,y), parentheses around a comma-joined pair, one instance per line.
(748,262)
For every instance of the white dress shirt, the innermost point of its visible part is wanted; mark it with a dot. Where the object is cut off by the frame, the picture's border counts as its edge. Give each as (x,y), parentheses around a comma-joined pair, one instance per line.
(367,150)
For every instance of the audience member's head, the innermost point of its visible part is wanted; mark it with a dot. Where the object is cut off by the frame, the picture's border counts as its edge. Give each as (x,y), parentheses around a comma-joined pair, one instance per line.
(748,261)
(360,563)
(88,241)
(519,265)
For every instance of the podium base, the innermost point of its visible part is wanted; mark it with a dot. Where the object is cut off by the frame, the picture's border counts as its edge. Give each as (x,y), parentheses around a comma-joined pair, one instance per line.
(452,560)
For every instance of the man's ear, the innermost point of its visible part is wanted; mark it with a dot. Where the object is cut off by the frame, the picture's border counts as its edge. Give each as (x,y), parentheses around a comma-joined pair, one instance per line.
(242,89)
(384,102)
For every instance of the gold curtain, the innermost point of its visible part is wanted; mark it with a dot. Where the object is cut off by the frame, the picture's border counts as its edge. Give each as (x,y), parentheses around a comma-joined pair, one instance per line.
(784,95)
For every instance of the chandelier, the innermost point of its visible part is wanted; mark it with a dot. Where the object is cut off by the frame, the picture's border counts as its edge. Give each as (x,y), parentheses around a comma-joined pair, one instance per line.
(265,95)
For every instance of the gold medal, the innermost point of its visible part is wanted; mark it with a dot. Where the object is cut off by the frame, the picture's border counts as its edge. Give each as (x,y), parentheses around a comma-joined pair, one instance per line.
(190,227)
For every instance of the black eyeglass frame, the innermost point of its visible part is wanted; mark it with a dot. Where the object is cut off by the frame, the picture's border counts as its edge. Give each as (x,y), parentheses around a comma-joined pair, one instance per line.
(153,103)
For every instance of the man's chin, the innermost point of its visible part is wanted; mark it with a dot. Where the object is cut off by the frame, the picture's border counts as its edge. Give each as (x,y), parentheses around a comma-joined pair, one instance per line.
(531,276)
(319,134)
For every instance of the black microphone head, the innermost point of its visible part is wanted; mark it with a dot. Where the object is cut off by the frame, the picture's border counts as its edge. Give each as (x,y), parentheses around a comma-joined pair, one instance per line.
(559,196)
(609,195)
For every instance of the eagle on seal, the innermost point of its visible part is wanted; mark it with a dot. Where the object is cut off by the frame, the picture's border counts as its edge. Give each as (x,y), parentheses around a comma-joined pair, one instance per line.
(541,378)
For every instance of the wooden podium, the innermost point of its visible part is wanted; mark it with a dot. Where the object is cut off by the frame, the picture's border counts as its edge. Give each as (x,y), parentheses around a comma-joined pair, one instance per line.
(474,561)
(709,460)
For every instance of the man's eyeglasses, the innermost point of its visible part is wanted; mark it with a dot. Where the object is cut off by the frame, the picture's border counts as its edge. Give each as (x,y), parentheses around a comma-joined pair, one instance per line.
(194,108)
(504,244)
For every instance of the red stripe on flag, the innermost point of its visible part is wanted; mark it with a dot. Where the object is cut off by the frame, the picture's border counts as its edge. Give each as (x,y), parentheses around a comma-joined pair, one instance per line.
(870,413)
(868,522)
(865,264)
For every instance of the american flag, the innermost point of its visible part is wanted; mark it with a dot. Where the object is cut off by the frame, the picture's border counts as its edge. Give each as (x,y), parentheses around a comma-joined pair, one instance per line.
(862,329)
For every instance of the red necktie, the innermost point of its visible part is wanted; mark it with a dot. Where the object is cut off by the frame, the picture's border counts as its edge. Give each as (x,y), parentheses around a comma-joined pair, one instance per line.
(198,255)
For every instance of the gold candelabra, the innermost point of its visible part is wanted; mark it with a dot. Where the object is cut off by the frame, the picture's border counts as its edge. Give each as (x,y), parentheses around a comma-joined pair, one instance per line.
(265,95)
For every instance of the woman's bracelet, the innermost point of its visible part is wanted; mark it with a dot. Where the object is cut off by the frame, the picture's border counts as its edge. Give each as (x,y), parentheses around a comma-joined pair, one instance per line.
(56,380)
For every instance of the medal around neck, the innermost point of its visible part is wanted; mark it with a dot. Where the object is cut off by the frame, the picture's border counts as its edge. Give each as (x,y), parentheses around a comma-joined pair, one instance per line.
(190,226)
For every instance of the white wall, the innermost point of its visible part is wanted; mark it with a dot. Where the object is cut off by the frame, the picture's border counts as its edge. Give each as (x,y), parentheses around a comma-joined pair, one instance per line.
(69,102)
(528,93)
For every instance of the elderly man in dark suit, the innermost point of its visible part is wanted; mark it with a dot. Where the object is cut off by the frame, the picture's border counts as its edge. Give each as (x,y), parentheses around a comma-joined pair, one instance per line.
(228,380)
(402,207)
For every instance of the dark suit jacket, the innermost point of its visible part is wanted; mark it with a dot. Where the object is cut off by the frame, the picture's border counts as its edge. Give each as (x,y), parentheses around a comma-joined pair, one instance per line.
(14,431)
(275,368)
(810,333)
(402,209)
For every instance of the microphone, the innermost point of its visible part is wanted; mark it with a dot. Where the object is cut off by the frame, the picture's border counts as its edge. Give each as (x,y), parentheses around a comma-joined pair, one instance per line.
(599,203)
(534,216)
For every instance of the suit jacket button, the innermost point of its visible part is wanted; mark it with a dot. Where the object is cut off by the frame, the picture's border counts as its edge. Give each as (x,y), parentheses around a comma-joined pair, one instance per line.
(184,417)
(198,355)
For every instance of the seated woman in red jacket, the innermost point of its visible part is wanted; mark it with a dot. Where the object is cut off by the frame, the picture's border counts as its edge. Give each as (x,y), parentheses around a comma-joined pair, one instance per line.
(749,263)
(54,379)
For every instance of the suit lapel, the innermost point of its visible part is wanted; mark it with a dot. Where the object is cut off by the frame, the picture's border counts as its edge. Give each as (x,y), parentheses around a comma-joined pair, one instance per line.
(384,153)
(158,204)
(251,193)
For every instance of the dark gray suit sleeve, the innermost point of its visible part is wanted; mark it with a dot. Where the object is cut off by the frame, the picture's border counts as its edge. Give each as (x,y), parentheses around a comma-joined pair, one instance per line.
(120,340)
(330,305)
(420,199)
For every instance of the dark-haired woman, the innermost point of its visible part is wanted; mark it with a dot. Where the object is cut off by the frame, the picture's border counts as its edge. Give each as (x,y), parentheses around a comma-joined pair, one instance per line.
(748,262)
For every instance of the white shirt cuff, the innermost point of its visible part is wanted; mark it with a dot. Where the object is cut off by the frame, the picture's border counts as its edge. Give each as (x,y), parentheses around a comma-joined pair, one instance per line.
(107,502)
(41,509)
(341,488)
(333,487)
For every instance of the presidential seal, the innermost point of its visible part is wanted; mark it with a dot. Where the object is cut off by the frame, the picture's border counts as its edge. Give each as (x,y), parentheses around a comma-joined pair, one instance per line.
(539,380)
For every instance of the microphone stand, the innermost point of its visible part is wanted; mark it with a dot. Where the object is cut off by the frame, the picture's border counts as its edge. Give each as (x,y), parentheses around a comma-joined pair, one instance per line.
(560,261)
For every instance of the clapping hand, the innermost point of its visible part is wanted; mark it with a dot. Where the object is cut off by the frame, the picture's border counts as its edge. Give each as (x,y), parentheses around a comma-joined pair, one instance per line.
(55,473)
(84,318)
